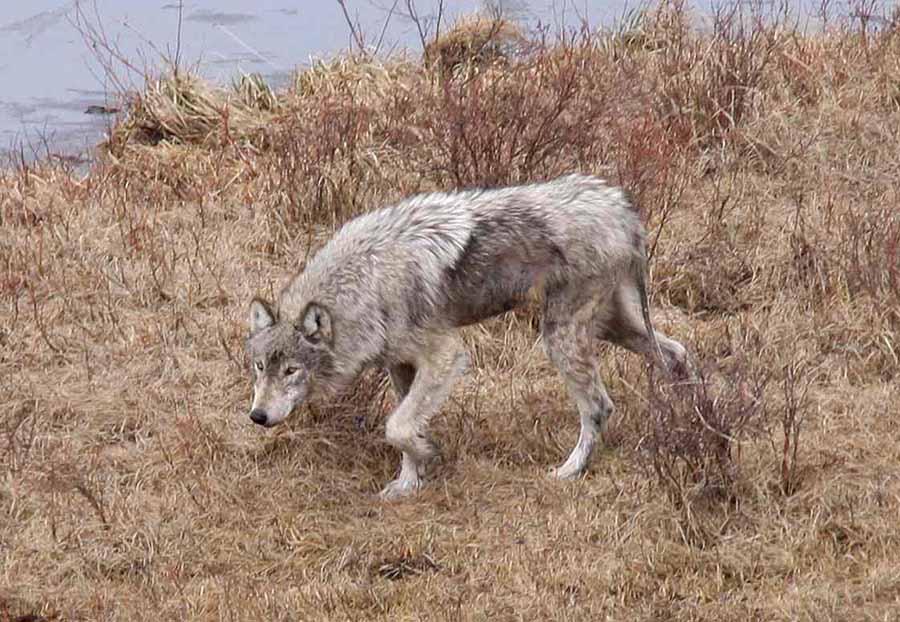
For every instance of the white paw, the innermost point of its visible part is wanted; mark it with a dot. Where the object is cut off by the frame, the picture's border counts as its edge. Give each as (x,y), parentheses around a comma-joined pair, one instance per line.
(568,471)
(399,488)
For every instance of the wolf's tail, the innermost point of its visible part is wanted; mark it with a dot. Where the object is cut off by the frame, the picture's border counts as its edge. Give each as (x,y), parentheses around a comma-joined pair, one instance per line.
(639,267)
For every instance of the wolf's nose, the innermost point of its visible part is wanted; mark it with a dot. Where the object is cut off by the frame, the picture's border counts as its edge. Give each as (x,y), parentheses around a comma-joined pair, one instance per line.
(258,416)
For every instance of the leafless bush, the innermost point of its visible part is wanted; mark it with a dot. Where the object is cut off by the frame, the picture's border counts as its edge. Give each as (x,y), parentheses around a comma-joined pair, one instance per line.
(870,254)
(320,164)
(696,425)
(708,84)
(648,164)
(693,433)
(503,128)
(557,109)
(792,419)
(691,445)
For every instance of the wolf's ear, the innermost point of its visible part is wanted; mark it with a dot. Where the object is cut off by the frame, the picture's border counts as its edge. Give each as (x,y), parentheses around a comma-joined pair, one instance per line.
(316,325)
(261,315)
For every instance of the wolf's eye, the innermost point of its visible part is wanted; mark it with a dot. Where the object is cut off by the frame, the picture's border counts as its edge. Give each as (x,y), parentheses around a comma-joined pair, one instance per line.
(290,371)
(259,365)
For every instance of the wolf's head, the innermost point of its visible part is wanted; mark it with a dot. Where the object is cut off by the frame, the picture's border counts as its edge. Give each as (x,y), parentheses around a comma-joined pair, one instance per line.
(286,359)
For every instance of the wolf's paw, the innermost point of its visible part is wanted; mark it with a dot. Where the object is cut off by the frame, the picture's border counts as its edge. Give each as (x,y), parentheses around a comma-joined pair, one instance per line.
(400,488)
(568,471)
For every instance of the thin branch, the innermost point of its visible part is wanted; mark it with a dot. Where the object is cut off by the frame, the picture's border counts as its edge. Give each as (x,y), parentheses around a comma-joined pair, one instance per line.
(178,37)
(354,28)
(421,29)
(440,17)
(387,20)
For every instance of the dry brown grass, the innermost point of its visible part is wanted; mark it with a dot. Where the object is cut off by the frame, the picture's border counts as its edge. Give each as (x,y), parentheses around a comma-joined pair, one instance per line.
(766,163)
(475,41)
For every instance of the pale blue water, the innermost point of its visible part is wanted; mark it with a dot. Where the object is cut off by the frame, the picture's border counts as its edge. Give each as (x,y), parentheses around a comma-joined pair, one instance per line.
(49,75)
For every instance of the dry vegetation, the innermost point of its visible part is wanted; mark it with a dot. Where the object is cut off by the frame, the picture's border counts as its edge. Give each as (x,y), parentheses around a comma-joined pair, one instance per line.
(767,164)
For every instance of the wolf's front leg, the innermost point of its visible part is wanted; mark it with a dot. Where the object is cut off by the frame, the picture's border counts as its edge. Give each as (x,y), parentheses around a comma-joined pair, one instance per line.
(439,366)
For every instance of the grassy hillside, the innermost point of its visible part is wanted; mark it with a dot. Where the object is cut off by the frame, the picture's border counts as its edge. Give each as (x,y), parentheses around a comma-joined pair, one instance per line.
(766,163)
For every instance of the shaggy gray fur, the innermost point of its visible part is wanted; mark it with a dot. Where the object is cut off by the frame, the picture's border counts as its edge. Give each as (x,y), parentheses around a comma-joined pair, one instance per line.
(392,287)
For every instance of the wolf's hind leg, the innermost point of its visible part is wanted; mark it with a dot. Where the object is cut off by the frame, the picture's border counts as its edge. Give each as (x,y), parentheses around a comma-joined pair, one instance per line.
(440,366)
(625,327)
(568,341)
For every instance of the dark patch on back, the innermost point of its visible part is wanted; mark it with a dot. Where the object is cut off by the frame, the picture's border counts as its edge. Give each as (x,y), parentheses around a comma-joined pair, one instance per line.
(506,254)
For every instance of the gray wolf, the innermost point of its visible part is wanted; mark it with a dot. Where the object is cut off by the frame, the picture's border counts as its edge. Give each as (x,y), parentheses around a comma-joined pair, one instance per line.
(393,286)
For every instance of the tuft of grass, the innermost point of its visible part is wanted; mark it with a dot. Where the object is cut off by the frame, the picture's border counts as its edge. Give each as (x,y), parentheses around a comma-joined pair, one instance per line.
(476,40)
(253,91)
(182,108)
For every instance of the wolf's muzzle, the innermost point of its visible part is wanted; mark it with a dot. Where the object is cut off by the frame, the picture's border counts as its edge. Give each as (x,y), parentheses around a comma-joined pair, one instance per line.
(258,416)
